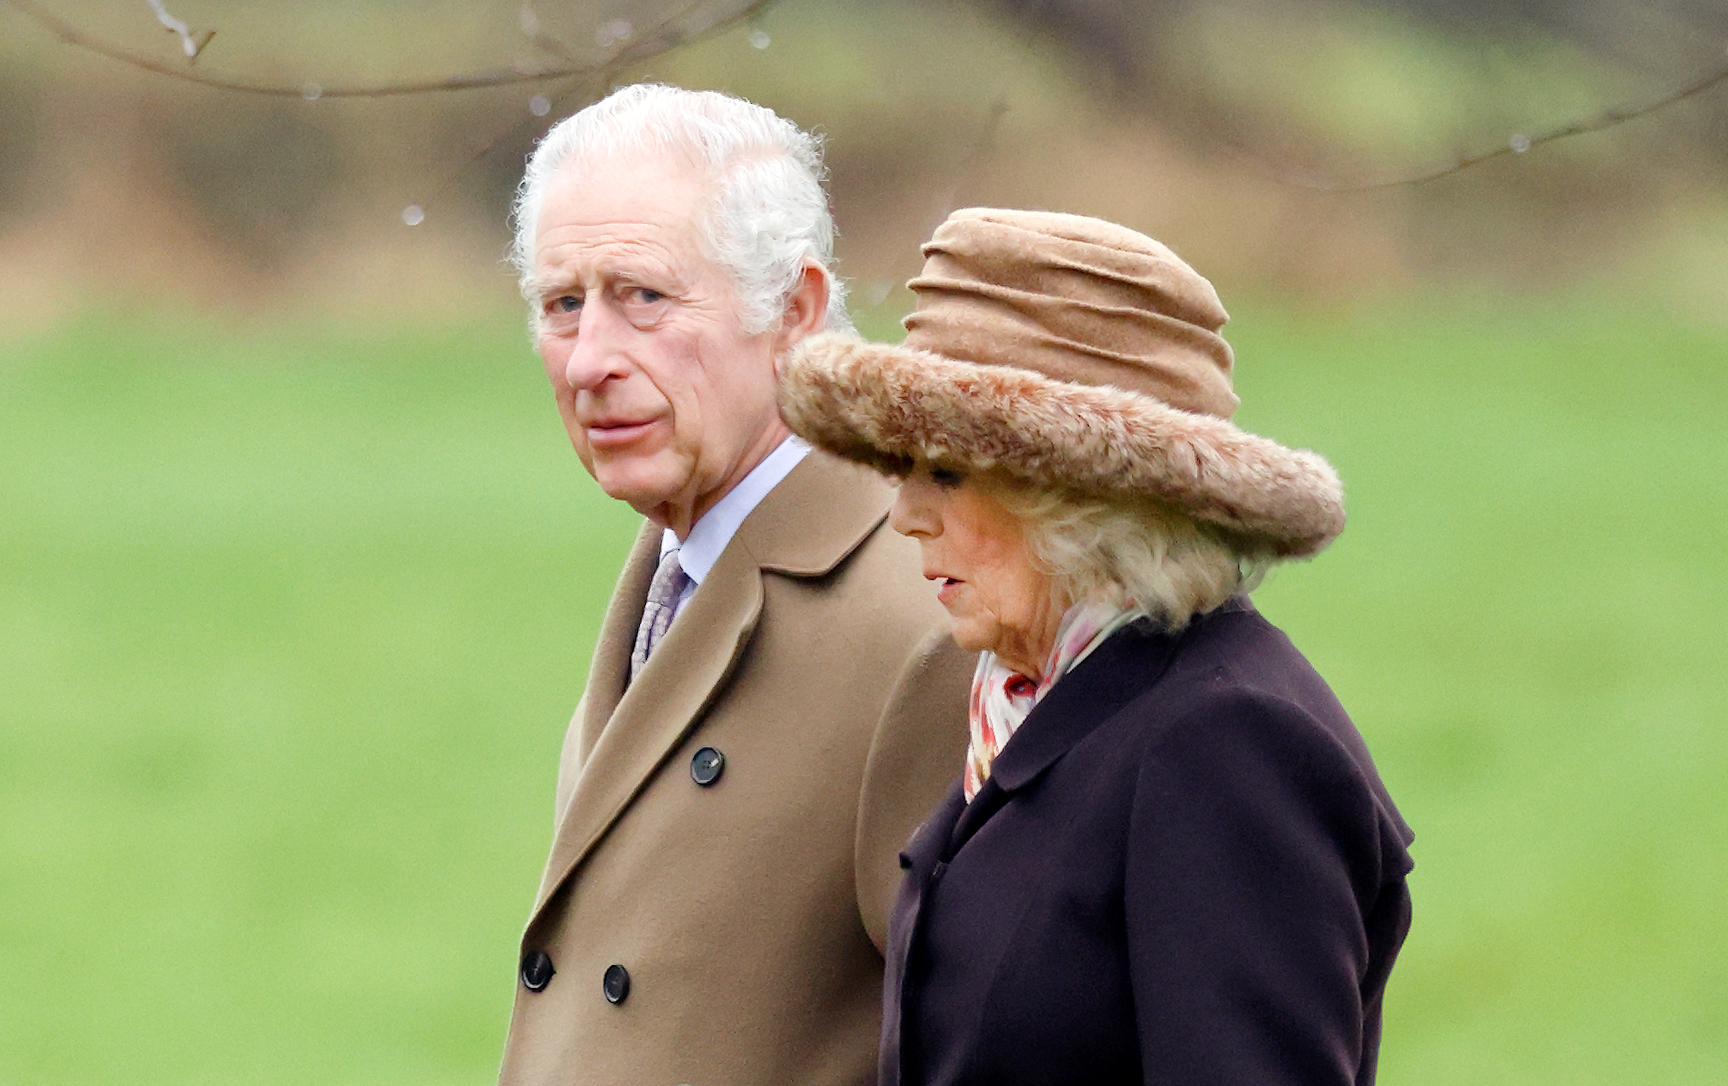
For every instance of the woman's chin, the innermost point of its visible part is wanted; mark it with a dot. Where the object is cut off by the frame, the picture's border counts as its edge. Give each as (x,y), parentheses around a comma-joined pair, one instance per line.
(968,636)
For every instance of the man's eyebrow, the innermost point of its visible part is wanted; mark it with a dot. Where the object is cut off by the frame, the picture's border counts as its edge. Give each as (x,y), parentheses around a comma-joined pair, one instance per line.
(637,264)
(563,284)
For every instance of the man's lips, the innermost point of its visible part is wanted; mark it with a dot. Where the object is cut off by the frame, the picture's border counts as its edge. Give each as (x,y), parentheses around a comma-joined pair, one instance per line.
(614,433)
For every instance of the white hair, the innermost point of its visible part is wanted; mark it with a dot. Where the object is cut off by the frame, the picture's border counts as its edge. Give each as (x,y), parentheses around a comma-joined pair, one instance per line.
(769,215)
(1132,555)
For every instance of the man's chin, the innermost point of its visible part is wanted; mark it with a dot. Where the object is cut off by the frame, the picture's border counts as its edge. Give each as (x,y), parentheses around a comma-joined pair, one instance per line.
(636,497)
(651,501)
(631,480)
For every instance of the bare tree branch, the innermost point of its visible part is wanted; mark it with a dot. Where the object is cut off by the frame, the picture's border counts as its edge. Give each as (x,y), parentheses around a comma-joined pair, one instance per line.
(668,34)
(192,42)
(1519,143)
(528,21)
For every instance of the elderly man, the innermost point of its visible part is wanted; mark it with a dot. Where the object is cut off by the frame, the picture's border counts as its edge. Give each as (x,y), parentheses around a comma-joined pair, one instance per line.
(767,714)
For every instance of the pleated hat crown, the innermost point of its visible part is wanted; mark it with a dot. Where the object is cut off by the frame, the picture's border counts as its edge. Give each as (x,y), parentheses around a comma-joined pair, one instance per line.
(1070,353)
(1077,299)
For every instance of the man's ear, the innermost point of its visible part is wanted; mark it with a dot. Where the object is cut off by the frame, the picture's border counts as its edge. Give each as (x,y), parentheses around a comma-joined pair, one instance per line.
(806,310)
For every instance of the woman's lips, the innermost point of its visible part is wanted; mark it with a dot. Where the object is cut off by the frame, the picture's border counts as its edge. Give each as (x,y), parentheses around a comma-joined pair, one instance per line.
(946,587)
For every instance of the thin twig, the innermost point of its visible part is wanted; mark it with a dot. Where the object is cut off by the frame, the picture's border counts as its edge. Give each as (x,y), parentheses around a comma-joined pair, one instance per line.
(192,42)
(1520,143)
(665,37)
(660,39)
(438,189)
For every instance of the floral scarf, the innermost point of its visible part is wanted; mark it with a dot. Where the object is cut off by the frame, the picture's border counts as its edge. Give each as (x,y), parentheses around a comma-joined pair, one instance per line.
(1002,697)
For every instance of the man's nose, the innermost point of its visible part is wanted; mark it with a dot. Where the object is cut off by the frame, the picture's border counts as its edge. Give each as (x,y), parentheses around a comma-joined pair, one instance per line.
(596,351)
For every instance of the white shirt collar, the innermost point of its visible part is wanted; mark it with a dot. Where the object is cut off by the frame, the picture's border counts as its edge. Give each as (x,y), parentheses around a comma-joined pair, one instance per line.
(709,535)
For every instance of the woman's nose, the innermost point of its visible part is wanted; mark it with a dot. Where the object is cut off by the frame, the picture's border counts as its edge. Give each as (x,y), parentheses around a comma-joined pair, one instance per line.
(911,513)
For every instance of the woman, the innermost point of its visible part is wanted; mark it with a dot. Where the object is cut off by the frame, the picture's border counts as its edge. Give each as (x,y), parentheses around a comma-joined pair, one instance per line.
(1168,857)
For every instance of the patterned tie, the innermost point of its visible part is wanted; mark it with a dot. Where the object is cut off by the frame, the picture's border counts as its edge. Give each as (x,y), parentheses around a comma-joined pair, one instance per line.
(663,592)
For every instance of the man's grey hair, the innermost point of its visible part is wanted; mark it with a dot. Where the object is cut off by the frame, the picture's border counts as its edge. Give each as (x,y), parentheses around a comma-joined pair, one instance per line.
(1137,554)
(769,214)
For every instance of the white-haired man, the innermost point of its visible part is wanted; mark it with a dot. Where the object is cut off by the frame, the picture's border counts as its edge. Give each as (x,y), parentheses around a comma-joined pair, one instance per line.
(766,718)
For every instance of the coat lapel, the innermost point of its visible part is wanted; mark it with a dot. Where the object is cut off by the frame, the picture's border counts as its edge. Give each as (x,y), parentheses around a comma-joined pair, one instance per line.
(1122,668)
(806,525)
(609,672)
(923,855)
(651,716)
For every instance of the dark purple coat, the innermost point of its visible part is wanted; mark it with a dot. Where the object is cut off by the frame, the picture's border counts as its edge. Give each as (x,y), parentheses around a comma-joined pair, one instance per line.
(1183,869)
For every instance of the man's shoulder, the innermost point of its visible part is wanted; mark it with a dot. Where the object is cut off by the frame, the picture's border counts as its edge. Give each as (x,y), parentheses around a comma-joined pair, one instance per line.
(816,517)
(833,546)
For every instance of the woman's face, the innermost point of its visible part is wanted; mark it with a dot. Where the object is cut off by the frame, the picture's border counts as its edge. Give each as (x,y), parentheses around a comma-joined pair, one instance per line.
(975,551)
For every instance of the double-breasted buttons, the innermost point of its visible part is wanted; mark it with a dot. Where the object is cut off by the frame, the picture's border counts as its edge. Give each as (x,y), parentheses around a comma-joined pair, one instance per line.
(706,766)
(536,970)
(615,985)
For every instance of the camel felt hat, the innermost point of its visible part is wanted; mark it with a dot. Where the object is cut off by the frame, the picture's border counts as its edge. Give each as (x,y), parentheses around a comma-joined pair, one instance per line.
(1072,353)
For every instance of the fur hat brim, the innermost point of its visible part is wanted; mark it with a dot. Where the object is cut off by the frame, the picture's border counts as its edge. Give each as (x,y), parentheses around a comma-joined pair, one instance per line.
(891,407)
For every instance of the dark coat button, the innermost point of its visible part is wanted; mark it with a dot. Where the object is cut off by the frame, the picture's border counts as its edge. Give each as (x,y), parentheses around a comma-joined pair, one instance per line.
(905,862)
(615,985)
(706,766)
(536,970)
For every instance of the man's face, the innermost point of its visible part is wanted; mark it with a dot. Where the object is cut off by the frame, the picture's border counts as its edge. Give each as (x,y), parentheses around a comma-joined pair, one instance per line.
(668,401)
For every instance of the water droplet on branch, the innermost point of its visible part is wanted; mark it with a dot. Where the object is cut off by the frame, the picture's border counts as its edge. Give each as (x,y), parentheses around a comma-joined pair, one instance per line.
(539,106)
(1519,143)
(612,32)
(759,39)
(413,215)
(311,92)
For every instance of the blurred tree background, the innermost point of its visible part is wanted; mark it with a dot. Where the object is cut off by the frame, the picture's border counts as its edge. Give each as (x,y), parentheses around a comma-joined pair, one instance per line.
(1201,122)
(298,576)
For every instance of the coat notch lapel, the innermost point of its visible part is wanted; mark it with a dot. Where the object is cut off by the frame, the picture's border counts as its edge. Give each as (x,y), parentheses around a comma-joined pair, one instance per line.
(1086,697)
(657,710)
(925,848)
(609,673)
(624,734)
(990,798)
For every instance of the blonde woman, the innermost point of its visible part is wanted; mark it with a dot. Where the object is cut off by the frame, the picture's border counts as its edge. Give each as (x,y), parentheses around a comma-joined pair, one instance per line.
(1168,856)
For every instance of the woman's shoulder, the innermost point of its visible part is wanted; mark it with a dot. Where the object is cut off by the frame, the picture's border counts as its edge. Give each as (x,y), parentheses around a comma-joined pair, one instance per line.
(1235,654)
(1237,694)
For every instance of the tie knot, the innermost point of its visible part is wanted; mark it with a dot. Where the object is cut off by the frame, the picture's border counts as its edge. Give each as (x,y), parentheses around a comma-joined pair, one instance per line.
(662,606)
(669,575)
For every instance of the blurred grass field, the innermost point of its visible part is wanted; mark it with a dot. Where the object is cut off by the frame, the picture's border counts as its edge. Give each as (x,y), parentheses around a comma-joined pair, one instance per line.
(292,617)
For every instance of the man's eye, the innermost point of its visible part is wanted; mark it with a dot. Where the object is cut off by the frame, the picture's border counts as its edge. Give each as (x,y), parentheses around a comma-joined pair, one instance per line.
(645,295)
(947,478)
(567,303)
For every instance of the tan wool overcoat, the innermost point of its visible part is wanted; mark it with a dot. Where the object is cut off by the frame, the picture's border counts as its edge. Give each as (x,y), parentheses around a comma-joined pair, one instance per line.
(747,913)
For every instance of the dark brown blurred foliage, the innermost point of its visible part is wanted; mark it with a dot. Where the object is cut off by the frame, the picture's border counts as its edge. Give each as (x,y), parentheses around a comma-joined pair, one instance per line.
(1206,124)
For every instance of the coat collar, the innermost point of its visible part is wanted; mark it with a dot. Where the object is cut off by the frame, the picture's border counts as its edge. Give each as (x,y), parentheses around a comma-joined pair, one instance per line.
(805,527)
(1122,668)
(1127,663)
(817,516)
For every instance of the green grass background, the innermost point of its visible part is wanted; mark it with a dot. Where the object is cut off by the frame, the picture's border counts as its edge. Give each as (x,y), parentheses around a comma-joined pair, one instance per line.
(292,617)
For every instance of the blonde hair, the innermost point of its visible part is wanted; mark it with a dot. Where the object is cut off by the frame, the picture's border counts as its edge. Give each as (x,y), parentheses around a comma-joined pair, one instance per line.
(1138,554)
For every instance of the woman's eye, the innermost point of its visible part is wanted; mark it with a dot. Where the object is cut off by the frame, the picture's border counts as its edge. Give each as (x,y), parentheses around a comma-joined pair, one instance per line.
(947,478)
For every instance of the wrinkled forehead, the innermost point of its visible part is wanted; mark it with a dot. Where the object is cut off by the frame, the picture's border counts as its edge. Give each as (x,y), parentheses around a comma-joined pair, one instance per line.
(627,187)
